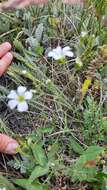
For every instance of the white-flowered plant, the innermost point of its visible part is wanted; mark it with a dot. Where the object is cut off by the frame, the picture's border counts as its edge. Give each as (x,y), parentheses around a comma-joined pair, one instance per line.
(19,98)
(79,63)
(60,53)
(24,72)
(2,188)
(83,34)
(48,81)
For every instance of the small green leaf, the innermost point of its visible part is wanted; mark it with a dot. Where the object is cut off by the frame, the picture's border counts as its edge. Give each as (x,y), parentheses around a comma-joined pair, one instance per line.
(21,182)
(92,152)
(47,129)
(39,154)
(6,183)
(18,45)
(75,146)
(38,172)
(53,150)
(80,171)
(39,50)
(24,183)
(39,32)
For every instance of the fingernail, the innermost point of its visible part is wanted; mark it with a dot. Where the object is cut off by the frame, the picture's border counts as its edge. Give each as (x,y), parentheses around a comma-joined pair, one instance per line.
(11,148)
(8,45)
(9,55)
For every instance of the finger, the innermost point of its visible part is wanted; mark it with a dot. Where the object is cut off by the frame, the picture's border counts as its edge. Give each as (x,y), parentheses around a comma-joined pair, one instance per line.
(8,145)
(39,1)
(10,4)
(26,3)
(4,48)
(5,62)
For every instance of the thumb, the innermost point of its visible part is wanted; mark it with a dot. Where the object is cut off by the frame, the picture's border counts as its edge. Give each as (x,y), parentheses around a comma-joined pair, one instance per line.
(8,145)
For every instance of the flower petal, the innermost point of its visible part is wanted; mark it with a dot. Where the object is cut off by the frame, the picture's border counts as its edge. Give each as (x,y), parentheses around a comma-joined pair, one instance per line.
(83,33)
(51,54)
(24,72)
(12,94)
(56,53)
(23,106)
(67,48)
(58,49)
(21,90)
(28,95)
(57,57)
(69,53)
(12,104)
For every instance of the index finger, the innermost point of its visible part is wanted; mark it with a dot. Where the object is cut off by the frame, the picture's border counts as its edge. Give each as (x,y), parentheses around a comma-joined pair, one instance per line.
(5,62)
(4,48)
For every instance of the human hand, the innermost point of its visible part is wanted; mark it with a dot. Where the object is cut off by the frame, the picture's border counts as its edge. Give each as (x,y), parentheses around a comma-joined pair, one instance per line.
(5,57)
(11,4)
(8,145)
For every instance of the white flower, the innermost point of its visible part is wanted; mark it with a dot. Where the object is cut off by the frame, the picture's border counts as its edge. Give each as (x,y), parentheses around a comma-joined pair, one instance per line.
(60,53)
(48,81)
(79,63)
(105,169)
(24,72)
(3,188)
(19,98)
(83,34)
(52,164)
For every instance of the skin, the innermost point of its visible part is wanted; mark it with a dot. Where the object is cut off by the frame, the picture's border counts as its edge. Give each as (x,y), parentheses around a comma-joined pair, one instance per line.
(6,58)
(7,144)
(11,4)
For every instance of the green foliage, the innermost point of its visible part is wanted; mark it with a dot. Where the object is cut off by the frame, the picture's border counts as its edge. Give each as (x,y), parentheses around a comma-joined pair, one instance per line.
(37,172)
(100,6)
(94,124)
(68,139)
(5,183)
(18,46)
(75,146)
(35,162)
(24,183)
(39,154)
(35,39)
(85,168)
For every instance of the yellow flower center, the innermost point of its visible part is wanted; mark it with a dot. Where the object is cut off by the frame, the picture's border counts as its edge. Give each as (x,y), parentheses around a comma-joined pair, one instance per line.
(62,61)
(20,98)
